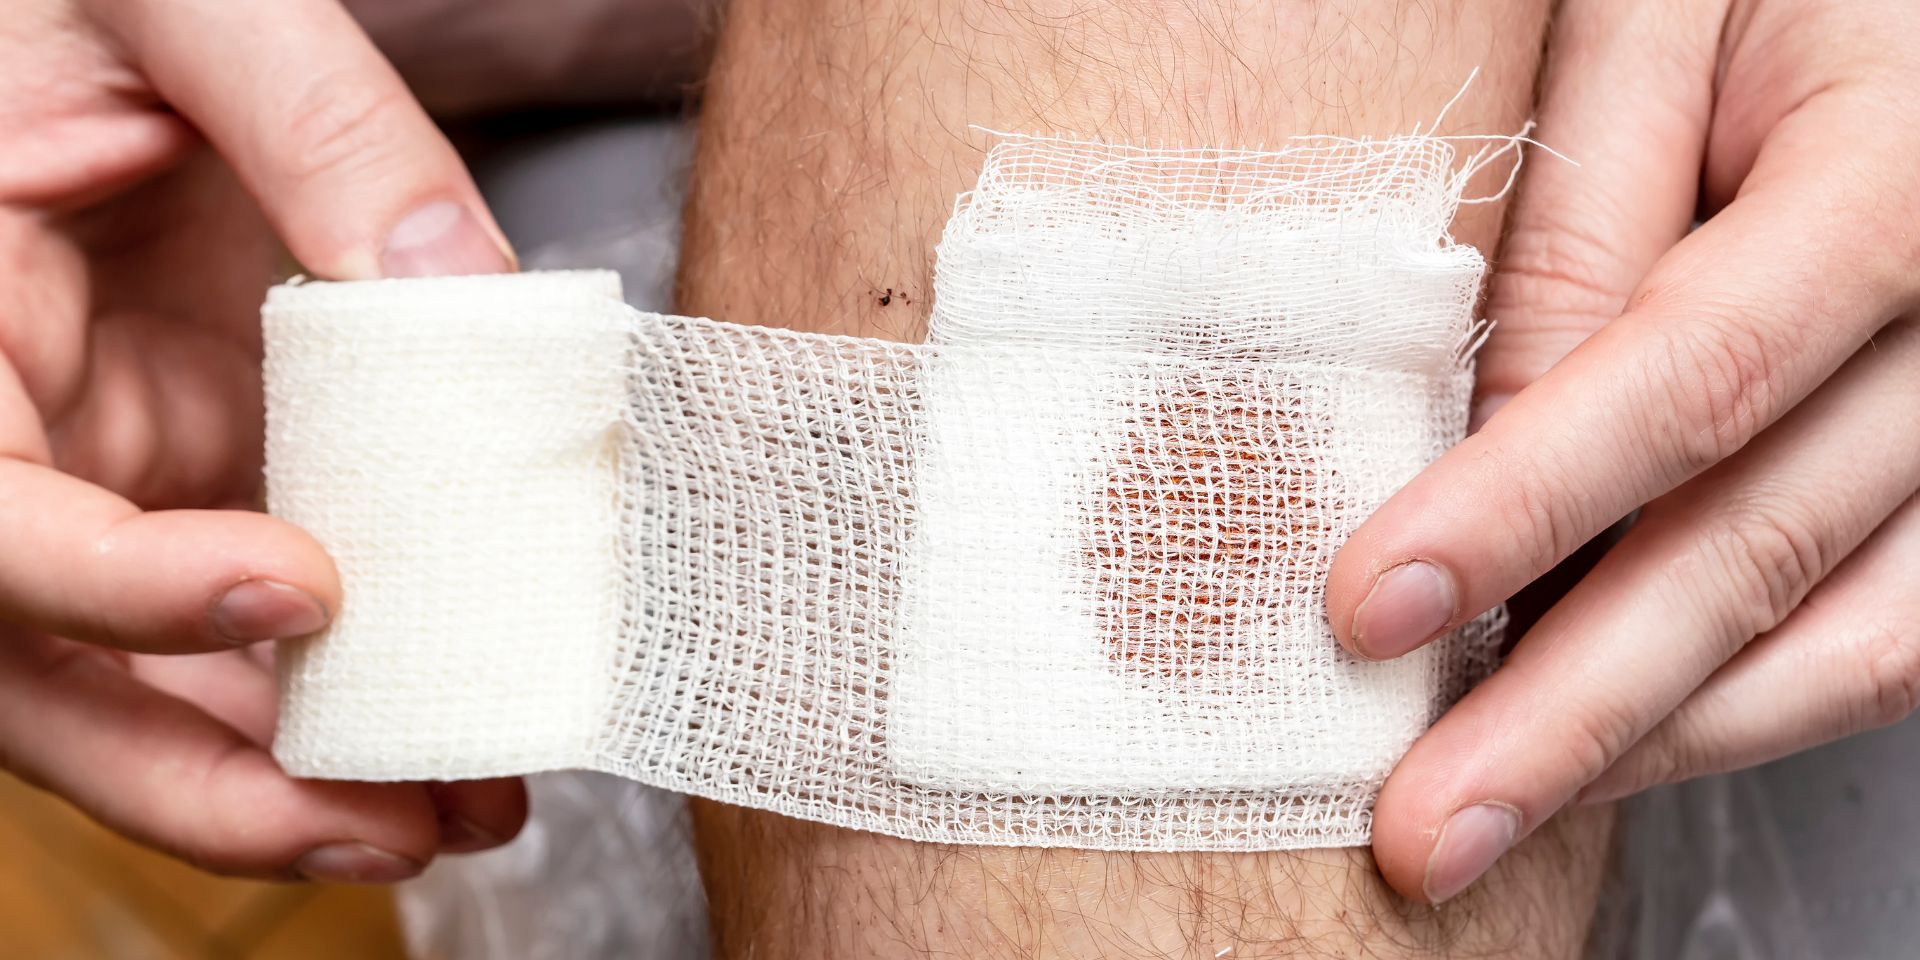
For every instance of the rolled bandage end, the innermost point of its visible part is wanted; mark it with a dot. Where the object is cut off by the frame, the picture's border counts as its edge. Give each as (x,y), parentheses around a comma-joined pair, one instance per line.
(452,443)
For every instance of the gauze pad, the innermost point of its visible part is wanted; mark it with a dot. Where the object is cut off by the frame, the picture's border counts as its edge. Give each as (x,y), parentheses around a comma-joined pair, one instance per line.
(1053,577)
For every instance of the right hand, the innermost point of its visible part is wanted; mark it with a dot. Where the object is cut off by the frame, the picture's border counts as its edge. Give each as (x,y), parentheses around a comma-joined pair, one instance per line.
(132,263)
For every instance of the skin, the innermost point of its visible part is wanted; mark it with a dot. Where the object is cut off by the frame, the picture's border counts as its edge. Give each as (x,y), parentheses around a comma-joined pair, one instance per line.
(834,136)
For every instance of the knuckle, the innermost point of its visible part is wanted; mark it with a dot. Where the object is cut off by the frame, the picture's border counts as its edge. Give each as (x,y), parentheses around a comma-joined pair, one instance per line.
(59,668)
(1545,522)
(1769,560)
(47,358)
(1602,737)
(1721,381)
(65,666)
(1530,521)
(1552,269)
(223,840)
(1659,758)
(1891,657)
(341,125)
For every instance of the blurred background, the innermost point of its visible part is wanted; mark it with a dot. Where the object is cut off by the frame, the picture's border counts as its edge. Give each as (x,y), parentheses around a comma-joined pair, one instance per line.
(70,889)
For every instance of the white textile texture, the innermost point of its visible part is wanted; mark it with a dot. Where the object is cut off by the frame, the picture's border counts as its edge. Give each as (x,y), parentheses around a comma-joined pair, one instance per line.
(1052,578)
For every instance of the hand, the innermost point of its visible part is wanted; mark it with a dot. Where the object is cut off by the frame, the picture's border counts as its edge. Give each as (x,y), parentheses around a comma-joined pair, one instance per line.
(1752,387)
(132,264)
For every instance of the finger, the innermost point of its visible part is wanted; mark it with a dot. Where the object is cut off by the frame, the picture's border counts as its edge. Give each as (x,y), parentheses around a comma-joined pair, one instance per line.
(1703,571)
(1844,662)
(1732,328)
(236,689)
(1628,93)
(166,774)
(191,245)
(43,312)
(67,162)
(230,686)
(479,814)
(84,563)
(170,411)
(171,414)
(355,177)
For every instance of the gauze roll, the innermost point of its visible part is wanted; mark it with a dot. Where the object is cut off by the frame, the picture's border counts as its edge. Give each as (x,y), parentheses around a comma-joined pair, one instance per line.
(1053,577)
(452,444)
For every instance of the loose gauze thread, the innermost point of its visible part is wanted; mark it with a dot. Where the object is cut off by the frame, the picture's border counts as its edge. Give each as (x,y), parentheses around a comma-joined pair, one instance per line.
(1052,578)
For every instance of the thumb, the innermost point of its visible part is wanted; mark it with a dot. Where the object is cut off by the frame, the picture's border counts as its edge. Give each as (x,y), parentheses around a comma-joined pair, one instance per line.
(1628,95)
(354,176)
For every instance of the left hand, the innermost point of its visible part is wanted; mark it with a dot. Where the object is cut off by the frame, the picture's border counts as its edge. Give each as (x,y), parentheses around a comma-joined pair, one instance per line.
(1752,387)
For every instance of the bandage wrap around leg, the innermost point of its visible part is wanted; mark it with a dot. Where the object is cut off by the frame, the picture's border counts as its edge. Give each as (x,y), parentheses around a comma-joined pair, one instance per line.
(1053,577)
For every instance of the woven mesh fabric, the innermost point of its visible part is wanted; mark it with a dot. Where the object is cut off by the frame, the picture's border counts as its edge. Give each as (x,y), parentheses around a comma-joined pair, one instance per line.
(1053,577)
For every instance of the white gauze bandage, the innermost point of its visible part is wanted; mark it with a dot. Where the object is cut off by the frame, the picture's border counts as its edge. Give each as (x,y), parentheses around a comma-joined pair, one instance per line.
(1053,577)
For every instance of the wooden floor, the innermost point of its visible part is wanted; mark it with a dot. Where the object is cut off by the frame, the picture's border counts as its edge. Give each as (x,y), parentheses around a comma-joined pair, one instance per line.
(69,889)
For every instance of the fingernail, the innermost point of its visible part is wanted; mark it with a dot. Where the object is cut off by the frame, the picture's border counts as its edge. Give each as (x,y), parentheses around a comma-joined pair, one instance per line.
(1485,409)
(461,835)
(1472,839)
(354,863)
(256,610)
(1407,606)
(442,239)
